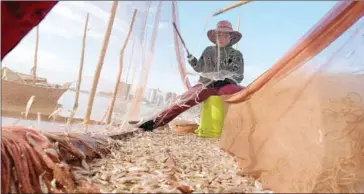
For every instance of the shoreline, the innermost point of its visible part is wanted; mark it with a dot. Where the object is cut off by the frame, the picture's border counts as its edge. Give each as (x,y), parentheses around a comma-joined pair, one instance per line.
(45,118)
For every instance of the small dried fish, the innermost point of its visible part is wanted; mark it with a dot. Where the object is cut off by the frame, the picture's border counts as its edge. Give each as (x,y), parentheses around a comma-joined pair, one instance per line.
(105,177)
(129,179)
(53,183)
(85,165)
(258,185)
(29,104)
(39,118)
(78,176)
(43,186)
(185,189)
(165,162)
(137,169)
(100,181)
(55,113)
(82,172)
(51,151)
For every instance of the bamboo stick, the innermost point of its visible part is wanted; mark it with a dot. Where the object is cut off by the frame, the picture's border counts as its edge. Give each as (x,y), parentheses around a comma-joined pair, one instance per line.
(75,105)
(240,3)
(237,29)
(34,69)
(128,72)
(121,58)
(100,62)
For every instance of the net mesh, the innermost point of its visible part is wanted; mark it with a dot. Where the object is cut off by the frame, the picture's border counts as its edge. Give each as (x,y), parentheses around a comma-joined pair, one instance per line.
(302,130)
(298,126)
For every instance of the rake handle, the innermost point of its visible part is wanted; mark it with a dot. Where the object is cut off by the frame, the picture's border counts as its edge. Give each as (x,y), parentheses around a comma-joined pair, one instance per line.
(180,37)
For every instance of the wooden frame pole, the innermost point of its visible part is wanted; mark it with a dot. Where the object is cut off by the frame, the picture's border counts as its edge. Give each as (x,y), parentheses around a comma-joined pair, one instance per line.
(121,58)
(78,87)
(34,69)
(240,3)
(100,62)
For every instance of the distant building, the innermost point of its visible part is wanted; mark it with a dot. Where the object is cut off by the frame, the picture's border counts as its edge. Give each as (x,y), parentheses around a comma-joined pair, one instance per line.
(170,97)
(123,90)
(160,97)
(174,97)
(147,93)
(152,96)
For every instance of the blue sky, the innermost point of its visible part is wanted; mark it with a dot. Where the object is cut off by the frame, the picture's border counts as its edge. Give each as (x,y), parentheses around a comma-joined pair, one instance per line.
(269,29)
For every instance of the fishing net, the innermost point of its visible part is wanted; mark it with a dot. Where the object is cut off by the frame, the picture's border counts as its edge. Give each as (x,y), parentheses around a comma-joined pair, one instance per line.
(60,159)
(33,161)
(161,48)
(299,127)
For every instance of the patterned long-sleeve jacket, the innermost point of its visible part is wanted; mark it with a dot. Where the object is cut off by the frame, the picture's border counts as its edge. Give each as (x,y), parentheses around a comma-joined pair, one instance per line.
(231,61)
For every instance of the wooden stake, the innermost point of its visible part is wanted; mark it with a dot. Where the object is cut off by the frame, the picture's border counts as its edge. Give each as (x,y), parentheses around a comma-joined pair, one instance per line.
(100,62)
(75,105)
(237,29)
(128,72)
(34,69)
(121,58)
(240,3)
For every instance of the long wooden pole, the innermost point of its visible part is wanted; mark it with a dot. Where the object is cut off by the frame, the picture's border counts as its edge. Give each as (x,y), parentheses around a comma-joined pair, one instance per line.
(100,62)
(240,3)
(34,69)
(78,87)
(118,76)
(128,72)
(237,29)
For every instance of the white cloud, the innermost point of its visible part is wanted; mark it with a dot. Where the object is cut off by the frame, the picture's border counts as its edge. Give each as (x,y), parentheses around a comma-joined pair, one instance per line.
(102,15)
(21,59)
(66,12)
(58,30)
(67,20)
(100,36)
(60,40)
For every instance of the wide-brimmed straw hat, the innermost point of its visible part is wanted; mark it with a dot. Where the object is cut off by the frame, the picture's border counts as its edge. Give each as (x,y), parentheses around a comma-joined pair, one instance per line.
(224,26)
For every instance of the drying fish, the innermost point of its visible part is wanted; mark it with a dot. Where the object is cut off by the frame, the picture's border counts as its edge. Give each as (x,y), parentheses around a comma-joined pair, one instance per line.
(32,161)
(55,113)
(165,162)
(53,183)
(38,118)
(43,186)
(29,104)
(85,165)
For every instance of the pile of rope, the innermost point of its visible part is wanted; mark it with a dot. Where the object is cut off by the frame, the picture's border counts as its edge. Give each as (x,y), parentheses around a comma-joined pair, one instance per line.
(33,161)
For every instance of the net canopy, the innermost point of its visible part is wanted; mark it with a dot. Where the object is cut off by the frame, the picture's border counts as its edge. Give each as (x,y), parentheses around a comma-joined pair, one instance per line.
(155,69)
(298,125)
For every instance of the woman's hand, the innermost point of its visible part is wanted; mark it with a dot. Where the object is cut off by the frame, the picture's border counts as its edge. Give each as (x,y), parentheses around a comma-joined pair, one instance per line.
(220,83)
(190,57)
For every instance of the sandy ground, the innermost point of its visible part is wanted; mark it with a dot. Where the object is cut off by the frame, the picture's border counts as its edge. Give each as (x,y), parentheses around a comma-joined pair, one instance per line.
(162,161)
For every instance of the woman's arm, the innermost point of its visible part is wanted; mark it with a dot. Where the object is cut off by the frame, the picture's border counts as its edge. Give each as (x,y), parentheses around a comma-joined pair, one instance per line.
(198,65)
